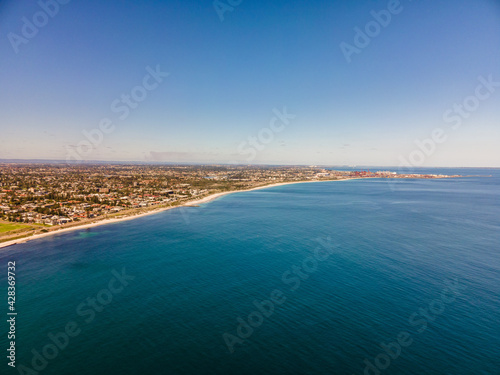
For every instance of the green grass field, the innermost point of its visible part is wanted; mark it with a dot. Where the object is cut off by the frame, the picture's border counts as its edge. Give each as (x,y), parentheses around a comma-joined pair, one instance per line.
(7,227)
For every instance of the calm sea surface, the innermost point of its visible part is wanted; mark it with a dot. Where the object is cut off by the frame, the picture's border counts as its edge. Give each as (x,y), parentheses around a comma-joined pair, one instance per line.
(318,278)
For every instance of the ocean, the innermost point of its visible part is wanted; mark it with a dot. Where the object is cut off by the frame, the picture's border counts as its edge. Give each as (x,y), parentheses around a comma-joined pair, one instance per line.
(368,276)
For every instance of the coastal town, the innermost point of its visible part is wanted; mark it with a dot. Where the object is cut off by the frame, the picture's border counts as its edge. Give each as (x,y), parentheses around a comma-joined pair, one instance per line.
(36,198)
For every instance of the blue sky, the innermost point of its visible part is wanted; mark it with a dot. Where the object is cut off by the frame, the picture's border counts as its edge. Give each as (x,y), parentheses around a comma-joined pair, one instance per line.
(228,77)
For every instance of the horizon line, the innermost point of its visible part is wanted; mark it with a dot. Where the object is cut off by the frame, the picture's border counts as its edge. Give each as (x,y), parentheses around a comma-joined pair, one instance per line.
(149,162)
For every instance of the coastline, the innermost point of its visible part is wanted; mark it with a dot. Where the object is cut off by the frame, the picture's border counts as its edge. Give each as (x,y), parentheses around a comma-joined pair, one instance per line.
(196,202)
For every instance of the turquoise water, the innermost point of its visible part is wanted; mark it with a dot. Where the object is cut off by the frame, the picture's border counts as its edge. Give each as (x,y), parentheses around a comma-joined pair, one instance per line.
(347,266)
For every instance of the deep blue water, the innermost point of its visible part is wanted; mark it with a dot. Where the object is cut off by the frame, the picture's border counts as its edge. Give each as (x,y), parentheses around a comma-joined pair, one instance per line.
(389,252)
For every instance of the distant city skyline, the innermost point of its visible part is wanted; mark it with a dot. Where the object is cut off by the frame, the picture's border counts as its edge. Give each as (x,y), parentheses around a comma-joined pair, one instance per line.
(368,83)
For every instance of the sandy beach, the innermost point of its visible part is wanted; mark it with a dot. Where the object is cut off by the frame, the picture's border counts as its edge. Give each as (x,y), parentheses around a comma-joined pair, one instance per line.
(196,202)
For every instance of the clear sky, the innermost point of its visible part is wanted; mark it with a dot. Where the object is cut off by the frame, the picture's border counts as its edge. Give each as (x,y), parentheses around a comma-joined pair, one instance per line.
(229,77)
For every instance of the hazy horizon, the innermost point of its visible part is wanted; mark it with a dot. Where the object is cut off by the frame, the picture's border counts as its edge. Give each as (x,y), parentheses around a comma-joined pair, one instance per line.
(138,162)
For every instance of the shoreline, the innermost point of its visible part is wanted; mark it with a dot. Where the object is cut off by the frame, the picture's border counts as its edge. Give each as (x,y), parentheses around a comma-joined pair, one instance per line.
(196,202)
